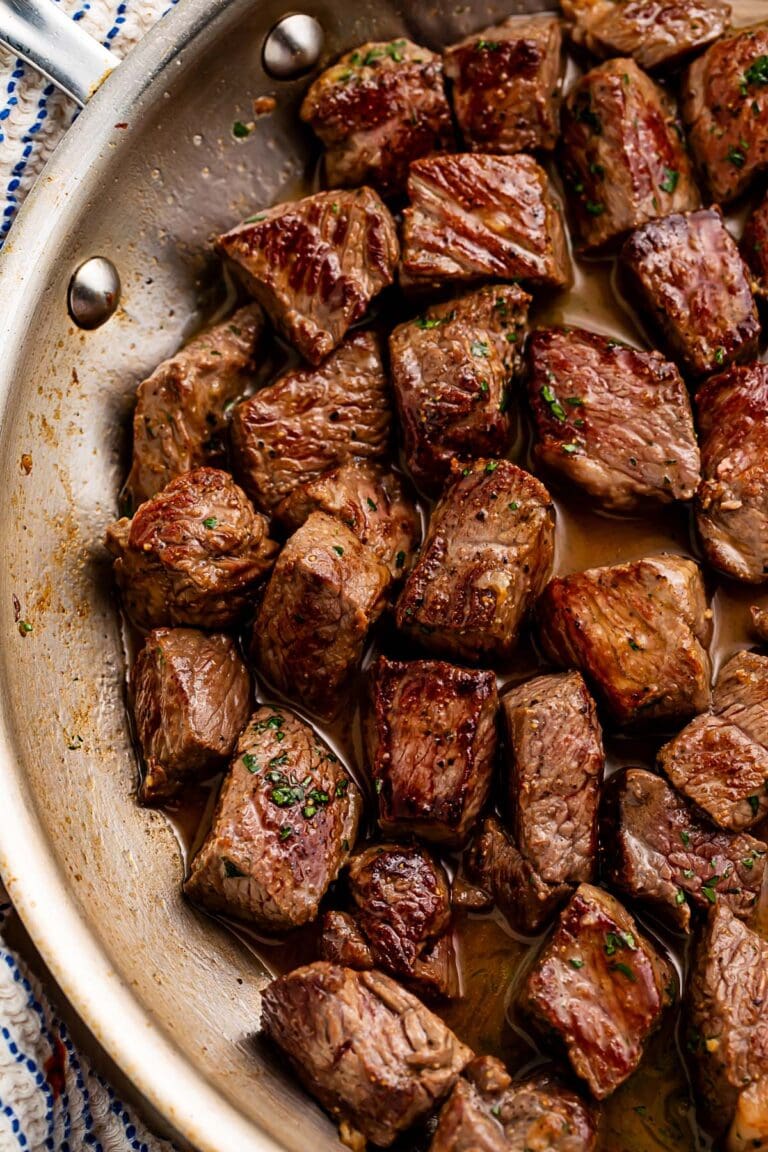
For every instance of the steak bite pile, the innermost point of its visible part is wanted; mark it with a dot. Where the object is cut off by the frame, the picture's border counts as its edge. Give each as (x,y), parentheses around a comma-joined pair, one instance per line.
(326,591)
(377,109)
(660,852)
(181,409)
(732,500)
(430,739)
(625,160)
(690,276)
(656,33)
(193,554)
(283,827)
(476,217)
(486,557)
(612,419)
(725,108)
(506,85)
(192,698)
(316,264)
(638,632)
(754,246)
(310,420)
(600,988)
(372,1054)
(452,369)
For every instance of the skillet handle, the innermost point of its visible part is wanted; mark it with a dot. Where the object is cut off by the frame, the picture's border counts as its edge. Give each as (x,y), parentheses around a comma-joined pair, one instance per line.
(39,32)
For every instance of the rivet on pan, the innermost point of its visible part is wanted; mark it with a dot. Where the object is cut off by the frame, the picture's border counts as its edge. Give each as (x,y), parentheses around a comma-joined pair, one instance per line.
(94,292)
(293,47)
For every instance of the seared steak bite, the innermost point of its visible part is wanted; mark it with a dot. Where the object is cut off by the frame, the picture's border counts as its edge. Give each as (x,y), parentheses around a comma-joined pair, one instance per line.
(659,851)
(316,264)
(372,502)
(310,420)
(489,1112)
(342,942)
(600,987)
(612,419)
(741,694)
(326,591)
(192,698)
(691,278)
(193,554)
(377,109)
(754,246)
(638,632)
(452,369)
(486,557)
(506,85)
(732,500)
(283,827)
(482,217)
(656,33)
(181,409)
(759,618)
(623,152)
(370,1052)
(430,739)
(725,108)
(555,764)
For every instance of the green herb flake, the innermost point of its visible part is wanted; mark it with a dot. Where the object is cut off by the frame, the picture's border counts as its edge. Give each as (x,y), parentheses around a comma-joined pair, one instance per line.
(757,73)
(487,46)
(479,348)
(25,627)
(394,50)
(492,465)
(379,785)
(286,831)
(754,803)
(255,219)
(210,522)
(342,786)
(574,401)
(428,322)
(670,181)
(710,893)
(737,157)
(625,970)
(720,355)
(679,896)
(689,873)
(240,130)
(570,448)
(686,838)
(373,54)
(550,399)
(594,207)
(576,962)
(338,550)
(372,504)
(748,862)
(250,762)
(633,645)
(484,386)
(513,506)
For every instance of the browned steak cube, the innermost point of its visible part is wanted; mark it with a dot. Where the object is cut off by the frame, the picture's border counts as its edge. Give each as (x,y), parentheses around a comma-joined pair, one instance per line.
(193,554)
(431,741)
(316,264)
(312,419)
(506,85)
(600,987)
(612,419)
(659,851)
(623,151)
(732,500)
(451,370)
(283,827)
(191,699)
(638,632)
(342,942)
(373,502)
(720,760)
(725,108)
(482,217)
(691,278)
(656,33)
(755,246)
(326,591)
(487,556)
(370,1052)
(728,1028)
(488,1112)
(759,619)
(377,109)
(556,762)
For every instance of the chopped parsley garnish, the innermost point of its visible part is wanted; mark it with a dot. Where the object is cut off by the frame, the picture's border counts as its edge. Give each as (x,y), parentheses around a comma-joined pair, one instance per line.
(341,787)
(550,399)
(393,50)
(483,386)
(720,355)
(240,130)
(625,971)
(286,831)
(669,183)
(513,506)
(633,645)
(738,156)
(686,838)
(754,803)
(757,73)
(709,892)
(338,550)
(594,207)
(487,46)
(492,465)
(250,762)
(570,448)
(616,940)
(278,761)
(574,401)
(576,962)
(372,504)
(679,896)
(426,322)
(373,54)
(255,219)
(25,627)
(479,348)
(748,861)
(210,522)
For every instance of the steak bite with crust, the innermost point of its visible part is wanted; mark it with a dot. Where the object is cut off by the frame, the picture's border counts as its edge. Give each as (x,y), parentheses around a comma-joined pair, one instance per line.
(732,499)
(754,246)
(486,557)
(481,217)
(284,823)
(193,554)
(377,109)
(506,85)
(326,591)
(638,632)
(316,264)
(191,699)
(690,277)
(658,851)
(371,1053)
(623,153)
(430,732)
(599,987)
(612,419)
(452,370)
(725,107)
(181,409)
(312,419)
